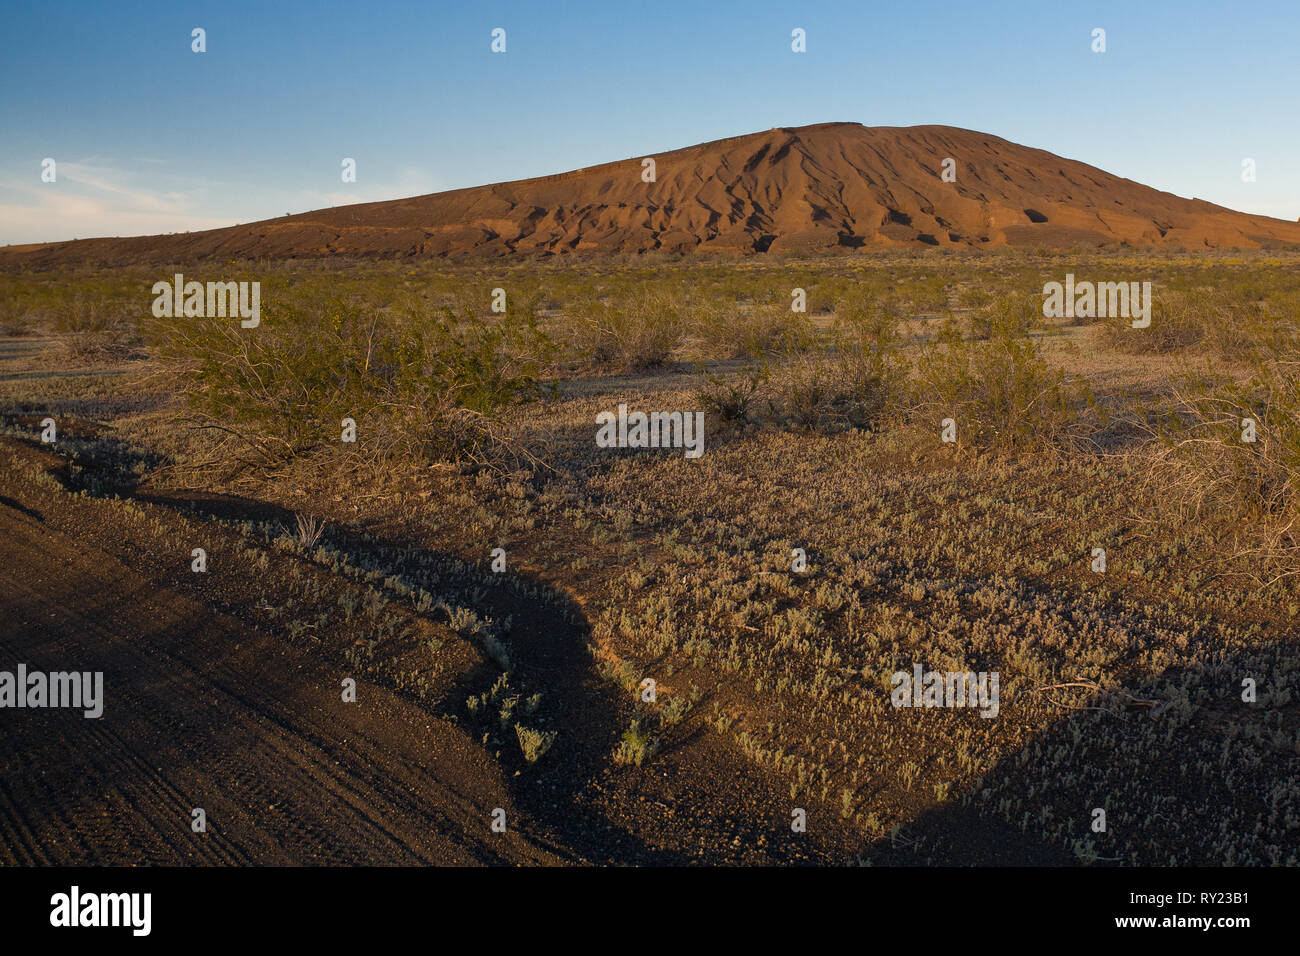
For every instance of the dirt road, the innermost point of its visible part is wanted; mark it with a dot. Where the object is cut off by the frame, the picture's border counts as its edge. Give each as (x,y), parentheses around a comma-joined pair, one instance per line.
(201,711)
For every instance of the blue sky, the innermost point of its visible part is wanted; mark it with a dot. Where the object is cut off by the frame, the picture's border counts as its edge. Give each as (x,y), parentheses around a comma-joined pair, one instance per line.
(151,137)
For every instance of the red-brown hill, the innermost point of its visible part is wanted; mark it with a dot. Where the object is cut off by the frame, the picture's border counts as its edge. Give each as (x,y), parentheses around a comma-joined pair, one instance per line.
(824,187)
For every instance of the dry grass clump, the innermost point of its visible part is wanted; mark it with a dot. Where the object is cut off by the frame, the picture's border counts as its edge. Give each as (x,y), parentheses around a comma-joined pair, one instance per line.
(733,400)
(534,743)
(861,384)
(636,745)
(98,326)
(1229,451)
(1224,323)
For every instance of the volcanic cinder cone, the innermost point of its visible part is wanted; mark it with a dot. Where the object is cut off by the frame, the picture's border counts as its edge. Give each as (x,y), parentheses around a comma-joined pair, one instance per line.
(833,186)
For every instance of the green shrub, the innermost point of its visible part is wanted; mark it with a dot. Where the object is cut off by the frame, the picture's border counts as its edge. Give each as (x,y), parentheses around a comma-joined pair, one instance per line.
(633,332)
(1007,315)
(534,743)
(636,745)
(1000,393)
(417,386)
(868,368)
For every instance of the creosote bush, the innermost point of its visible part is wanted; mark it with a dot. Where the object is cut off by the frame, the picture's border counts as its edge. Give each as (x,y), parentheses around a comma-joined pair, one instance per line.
(424,386)
(1001,393)
(1005,316)
(634,333)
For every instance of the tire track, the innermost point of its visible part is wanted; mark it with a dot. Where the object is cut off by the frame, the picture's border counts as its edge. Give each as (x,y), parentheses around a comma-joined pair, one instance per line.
(202,711)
